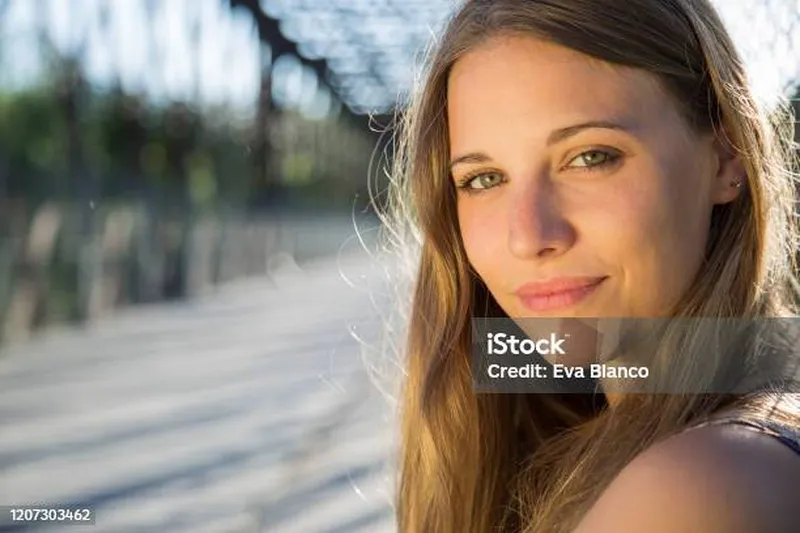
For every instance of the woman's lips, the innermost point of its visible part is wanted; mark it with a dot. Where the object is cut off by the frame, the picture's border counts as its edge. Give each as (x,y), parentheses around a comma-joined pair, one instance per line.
(557,293)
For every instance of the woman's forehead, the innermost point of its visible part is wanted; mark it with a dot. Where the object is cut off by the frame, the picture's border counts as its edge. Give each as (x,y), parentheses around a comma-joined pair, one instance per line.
(513,79)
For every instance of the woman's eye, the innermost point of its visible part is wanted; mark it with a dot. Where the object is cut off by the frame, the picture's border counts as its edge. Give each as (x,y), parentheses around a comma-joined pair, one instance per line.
(483,181)
(592,158)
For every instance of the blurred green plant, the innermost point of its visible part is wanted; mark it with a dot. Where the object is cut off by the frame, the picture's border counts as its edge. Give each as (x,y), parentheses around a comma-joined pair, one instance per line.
(64,139)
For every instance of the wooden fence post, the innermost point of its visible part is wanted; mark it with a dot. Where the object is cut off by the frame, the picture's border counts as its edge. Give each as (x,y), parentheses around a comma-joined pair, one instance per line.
(204,237)
(148,261)
(89,267)
(107,286)
(30,286)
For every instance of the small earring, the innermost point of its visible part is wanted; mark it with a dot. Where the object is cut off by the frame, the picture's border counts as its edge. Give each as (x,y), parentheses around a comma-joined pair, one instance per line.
(737,184)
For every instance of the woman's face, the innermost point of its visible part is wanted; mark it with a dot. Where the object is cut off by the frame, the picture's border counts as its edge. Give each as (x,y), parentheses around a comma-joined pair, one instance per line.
(582,190)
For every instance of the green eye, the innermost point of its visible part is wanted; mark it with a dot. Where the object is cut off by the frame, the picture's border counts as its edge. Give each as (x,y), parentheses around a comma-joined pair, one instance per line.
(484,181)
(481,181)
(592,158)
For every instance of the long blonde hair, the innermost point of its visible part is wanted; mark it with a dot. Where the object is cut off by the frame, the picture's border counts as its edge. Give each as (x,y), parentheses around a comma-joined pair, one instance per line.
(490,462)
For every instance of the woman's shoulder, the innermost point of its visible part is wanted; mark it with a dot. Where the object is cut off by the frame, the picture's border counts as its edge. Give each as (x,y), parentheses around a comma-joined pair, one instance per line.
(722,475)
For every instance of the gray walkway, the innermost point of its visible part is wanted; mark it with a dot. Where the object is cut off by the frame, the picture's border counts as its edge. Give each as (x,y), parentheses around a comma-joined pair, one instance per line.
(246,410)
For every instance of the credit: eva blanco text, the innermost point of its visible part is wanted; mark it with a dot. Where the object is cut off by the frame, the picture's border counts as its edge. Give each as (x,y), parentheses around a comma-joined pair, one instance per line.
(505,344)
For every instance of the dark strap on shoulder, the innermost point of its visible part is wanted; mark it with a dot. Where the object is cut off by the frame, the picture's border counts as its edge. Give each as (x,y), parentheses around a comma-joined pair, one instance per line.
(790,436)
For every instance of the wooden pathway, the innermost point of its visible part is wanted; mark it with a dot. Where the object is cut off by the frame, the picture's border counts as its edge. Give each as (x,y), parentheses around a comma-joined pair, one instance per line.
(246,410)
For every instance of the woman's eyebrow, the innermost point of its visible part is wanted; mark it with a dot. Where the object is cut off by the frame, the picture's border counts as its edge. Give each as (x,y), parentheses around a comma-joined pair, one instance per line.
(556,136)
(473,157)
(562,134)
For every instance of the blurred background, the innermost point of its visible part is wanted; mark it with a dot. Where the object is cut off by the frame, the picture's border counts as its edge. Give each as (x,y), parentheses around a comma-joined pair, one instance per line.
(186,293)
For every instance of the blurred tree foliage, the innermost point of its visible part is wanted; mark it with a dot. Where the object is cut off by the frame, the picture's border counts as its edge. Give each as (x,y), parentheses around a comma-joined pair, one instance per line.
(65,140)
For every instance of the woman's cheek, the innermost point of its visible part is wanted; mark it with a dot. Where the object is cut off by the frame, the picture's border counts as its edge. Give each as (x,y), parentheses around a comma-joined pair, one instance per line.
(485,240)
(628,216)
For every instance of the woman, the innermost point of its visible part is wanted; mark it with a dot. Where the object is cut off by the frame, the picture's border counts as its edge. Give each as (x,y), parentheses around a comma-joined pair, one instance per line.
(592,158)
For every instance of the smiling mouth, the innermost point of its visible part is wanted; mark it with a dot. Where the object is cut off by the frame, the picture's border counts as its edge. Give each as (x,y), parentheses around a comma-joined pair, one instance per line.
(558,294)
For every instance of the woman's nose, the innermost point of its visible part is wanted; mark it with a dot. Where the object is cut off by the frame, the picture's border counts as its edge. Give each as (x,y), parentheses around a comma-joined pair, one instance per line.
(538,227)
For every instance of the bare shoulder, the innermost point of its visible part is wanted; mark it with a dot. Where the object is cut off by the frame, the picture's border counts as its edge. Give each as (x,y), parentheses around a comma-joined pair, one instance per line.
(723,478)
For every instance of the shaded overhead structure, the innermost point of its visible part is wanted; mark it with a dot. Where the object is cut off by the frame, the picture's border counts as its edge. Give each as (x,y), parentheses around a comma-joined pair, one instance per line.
(363,50)
(366,50)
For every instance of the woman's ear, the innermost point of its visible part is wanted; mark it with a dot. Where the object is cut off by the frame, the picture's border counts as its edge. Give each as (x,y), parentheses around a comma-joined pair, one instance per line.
(730,178)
